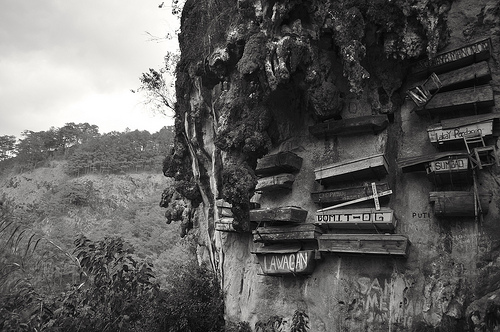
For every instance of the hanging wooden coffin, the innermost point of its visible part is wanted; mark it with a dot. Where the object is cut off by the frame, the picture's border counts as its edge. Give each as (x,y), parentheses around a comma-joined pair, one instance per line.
(450,171)
(376,244)
(441,168)
(458,203)
(373,167)
(282,162)
(453,130)
(363,124)
(284,214)
(475,74)
(436,161)
(278,260)
(341,195)
(277,234)
(366,218)
(452,165)
(463,99)
(275,182)
(457,58)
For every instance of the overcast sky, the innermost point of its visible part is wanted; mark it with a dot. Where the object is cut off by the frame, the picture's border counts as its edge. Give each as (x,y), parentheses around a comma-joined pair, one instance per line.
(76,61)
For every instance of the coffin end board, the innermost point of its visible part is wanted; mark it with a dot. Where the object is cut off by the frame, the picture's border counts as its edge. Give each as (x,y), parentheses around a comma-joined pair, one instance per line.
(361,219)
(283,234)
(457,203)
(452,170)
(451,132)
(374,244)
(228,224)
(225,225)
(224,208)
(435,161)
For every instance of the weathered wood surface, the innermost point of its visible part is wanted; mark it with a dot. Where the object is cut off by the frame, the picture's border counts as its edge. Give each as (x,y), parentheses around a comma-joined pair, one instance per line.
(342,195)
(284,261)
(453,130)
(278,234)
(457,203)
(463,99)
(377,244)
(452,165)
(282,162)
(374,167)
(275,182)
(475,74)
(450,171)
(456,58)
(365,218)
(466,120)
(421,163)
(223,208)
(225,224)
(280,214)
(353,126)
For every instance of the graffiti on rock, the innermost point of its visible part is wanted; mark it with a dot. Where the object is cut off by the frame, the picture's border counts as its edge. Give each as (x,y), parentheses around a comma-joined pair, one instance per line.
(372,303)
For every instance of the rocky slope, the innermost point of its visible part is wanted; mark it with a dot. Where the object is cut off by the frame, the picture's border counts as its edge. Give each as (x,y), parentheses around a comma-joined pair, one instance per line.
(253,77)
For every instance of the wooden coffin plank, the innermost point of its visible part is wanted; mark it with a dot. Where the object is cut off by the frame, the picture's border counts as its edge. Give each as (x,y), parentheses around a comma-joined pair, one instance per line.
(456,58)
(475,74)
(377,244)
(451,131)
(225,224)
(368,167)
(468,98)
(282,162)
(450,171)
(457,203)
(281,214)
(224,208)
(365,218)
(467,120)
(451,165)
(363,124)
(275,182)
(300,262)
(341,195)
(420,163)
(274,234)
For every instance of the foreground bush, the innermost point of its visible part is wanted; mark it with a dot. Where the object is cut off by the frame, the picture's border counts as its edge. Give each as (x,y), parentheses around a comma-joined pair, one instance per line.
(117,292)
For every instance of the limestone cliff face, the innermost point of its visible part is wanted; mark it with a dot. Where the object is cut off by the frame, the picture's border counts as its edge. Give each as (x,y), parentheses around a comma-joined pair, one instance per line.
(254,76)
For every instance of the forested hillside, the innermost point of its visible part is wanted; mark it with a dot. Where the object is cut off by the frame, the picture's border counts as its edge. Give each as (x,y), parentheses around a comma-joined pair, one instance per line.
(85,243)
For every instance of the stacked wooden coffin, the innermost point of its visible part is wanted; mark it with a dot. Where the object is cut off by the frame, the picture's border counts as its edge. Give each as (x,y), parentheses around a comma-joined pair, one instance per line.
(467,121)
(276,171)
(285,242)
(349,229)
